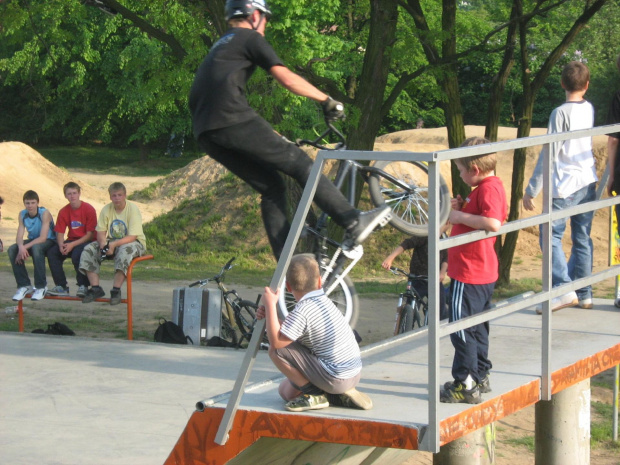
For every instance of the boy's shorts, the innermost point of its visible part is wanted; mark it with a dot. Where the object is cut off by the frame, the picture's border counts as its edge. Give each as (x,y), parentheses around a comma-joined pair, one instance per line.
(91,258)
(300,357)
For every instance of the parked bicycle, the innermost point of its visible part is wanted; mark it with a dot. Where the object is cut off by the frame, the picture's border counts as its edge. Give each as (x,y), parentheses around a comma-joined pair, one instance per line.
(403,185)
(238,315)
(412,308)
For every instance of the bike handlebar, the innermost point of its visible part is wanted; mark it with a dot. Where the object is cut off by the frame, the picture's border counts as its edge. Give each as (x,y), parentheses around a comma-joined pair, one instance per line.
(410,276)
(331,129)
(218,276)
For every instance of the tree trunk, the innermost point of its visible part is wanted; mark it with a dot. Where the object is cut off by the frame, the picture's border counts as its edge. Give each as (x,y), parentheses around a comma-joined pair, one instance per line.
(373,81)
(499,83)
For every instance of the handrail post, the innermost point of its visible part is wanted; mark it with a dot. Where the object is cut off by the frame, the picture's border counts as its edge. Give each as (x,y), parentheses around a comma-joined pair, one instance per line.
(130,294)
(20,316)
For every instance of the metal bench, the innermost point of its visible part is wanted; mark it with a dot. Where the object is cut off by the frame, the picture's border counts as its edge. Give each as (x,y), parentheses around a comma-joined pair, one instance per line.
(128,300)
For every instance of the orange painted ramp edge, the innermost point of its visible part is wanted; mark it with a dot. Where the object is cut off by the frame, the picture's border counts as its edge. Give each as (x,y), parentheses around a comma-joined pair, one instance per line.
(196,446)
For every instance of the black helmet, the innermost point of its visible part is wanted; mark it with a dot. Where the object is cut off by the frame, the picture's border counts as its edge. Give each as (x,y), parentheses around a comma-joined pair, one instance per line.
(244,8)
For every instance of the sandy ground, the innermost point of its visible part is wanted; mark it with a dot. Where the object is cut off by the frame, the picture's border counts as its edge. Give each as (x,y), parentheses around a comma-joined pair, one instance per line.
(24,168)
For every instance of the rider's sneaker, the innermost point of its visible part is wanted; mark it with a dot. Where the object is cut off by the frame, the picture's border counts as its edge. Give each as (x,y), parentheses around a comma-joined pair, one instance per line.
(21,293)
(351,399)
(484,385)
(455,392)
(366,223)
(81,292)
(59,290)
(307,402)
(39,294)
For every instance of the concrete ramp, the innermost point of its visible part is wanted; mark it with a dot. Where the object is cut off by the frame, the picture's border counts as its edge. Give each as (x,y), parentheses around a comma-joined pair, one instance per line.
(584,343)
(77,401)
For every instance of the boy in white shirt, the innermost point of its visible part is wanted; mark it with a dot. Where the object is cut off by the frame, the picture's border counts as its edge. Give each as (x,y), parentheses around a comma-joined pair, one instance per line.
(574,183)
(313,347)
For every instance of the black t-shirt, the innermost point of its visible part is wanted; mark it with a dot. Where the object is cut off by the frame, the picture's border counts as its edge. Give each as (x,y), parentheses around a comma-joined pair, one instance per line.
(419,258)
(613,117)
(217,98)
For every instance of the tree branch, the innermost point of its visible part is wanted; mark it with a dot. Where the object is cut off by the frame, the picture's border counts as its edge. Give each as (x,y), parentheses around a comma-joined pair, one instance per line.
(177,49)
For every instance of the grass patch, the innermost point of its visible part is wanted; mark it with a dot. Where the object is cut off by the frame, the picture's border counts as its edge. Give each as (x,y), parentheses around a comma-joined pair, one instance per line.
(526,441)
(516,287)
(601,429)
(110,160)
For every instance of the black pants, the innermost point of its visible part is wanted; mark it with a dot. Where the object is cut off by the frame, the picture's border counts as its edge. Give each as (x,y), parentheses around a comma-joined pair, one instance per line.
(255,153)
(471,345)
(55,260)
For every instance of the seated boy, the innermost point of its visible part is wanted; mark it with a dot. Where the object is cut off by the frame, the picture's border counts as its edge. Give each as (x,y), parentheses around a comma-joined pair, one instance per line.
(39,224)
(79,218)
(313,347)
(120,237)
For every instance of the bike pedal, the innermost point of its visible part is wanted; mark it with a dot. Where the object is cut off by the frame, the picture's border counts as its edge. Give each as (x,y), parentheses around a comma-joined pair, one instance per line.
(353,253)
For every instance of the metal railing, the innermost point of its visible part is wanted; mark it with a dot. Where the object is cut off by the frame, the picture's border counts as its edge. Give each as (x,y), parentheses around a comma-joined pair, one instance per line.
(431,440)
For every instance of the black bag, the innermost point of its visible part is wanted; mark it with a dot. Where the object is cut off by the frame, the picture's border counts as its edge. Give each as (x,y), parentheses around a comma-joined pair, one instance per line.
(170,333)
(59,329)
(217,341)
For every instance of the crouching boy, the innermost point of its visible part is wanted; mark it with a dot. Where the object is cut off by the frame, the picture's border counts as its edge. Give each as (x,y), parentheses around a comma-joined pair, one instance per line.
(314,347)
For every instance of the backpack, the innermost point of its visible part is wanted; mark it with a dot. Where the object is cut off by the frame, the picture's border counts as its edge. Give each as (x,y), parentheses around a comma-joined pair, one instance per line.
(170,333)
(59,329)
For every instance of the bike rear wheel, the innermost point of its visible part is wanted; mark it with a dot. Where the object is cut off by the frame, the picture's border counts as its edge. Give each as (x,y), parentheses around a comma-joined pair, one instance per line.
(403,186)
(227,332)
(343,295)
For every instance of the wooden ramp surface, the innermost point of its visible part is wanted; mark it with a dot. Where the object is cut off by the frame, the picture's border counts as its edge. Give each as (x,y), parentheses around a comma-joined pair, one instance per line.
(584,343)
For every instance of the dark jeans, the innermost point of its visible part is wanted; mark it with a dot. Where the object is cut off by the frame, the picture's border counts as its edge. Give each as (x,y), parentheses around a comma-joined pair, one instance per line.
(256,154)
(471,345)
(55,260)
(37,252)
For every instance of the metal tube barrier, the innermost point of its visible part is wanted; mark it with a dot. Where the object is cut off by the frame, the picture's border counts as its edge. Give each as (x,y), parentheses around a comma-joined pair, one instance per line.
(430,438)
(128,300)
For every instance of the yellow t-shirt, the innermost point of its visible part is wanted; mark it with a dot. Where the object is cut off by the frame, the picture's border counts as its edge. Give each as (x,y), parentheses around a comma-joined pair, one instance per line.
(118,225)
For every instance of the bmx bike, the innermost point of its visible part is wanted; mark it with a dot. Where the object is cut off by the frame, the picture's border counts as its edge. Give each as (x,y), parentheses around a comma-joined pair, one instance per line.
(402,185)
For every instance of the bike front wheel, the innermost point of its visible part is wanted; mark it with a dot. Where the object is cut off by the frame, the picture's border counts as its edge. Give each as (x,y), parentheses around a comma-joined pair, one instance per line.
(343,296)
(403,186)
(405,320)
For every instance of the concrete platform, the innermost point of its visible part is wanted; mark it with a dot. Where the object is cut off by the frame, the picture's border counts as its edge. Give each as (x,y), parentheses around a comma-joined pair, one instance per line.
(66,400)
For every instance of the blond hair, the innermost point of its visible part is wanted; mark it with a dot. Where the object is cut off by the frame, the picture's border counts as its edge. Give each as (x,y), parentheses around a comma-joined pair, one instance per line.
(485,163)
(303,273)
(117,186)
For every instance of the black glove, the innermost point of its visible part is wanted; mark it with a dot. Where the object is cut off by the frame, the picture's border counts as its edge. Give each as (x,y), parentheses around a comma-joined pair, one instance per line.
(332,109)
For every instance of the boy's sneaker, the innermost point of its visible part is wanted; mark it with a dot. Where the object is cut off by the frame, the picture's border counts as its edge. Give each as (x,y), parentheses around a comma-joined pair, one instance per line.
(92,294)
(21,293)
(81,292)
(307,402)
(455,392)
(563,301)
(115,297)
(366,223)
(59,290)
(350,399)
(585,303)
(484,385)
(39,294)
